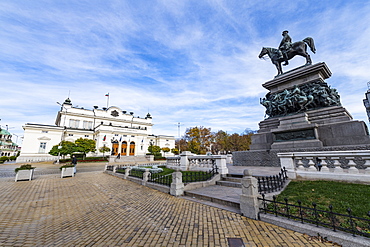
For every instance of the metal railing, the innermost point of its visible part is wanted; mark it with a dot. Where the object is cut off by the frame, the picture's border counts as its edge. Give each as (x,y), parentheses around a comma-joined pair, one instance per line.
(327,218)
(161,179)
(136,174)
(270,184)
(110,168)
(198,176)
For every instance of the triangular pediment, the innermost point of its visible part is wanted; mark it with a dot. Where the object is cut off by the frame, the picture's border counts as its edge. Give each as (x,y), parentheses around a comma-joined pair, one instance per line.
(44,138)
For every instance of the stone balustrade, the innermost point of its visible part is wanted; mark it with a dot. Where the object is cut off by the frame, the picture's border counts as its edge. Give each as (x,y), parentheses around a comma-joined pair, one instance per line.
(333,165)
(189,161)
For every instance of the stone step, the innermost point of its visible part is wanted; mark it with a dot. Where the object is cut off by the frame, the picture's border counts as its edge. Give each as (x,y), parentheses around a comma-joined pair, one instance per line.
(229,183)
(231,179)
(234,175)
(228,196)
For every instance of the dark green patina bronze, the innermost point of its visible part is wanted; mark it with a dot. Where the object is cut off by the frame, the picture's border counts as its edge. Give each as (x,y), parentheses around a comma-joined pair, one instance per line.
(306,134)
(300,98)
(287,50)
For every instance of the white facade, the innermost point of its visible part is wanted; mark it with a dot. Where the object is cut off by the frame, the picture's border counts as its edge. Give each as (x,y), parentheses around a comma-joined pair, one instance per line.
(118,130)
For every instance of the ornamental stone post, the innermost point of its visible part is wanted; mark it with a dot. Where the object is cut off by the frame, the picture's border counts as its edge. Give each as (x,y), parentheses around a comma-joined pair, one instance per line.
(114,169)
(221,164)
(184,161)
(146,175)
(287,161)
(177,186)
(127,172)
(249,205)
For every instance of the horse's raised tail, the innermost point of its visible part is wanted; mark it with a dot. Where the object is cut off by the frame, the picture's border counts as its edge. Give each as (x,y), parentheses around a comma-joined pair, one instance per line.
(309,41)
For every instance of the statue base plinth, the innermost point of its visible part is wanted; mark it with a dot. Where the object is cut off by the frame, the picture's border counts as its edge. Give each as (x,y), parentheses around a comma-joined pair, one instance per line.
(316,129)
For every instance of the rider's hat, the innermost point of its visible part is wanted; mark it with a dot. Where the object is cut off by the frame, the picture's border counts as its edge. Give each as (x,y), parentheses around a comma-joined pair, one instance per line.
(285,31)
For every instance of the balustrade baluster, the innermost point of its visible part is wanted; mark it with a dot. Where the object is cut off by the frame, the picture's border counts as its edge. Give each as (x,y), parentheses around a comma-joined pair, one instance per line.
(311,164)
(324,167)
(352,166)
(300,163)
(337,168)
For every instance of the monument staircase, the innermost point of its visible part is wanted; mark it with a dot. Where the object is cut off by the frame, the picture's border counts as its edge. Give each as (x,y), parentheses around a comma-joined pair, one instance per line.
(226,193)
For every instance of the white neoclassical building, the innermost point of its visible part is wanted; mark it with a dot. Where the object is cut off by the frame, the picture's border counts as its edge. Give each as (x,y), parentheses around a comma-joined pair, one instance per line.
(118,130)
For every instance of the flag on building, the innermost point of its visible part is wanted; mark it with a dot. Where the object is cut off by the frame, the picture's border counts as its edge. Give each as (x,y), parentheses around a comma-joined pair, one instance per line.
(107,94)
(120,139)
(105,137)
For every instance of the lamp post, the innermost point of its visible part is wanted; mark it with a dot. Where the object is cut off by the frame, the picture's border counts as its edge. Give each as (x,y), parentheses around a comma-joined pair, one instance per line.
(64,127)
(178,133)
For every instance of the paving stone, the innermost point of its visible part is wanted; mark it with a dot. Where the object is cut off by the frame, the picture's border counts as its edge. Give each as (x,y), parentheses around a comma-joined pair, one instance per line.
(97,209)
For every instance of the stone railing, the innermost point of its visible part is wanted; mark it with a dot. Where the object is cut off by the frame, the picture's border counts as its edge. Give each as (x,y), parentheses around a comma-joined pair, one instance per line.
(189,161)
(173,161)
(333,165)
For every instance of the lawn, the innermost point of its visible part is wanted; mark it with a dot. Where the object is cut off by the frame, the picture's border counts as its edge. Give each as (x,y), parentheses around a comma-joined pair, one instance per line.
(339,195)
(324,193)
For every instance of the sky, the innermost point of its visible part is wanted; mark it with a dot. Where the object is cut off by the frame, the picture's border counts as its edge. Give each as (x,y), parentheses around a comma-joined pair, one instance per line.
(186,62)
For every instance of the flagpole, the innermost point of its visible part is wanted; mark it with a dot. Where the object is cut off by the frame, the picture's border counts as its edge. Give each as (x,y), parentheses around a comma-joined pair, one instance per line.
(107,99)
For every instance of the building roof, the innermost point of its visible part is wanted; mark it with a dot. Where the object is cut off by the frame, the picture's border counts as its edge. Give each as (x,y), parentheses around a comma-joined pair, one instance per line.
(4,132)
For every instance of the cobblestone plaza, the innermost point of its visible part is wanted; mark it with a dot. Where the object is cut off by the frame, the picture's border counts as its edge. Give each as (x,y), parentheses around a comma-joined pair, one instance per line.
(97,209)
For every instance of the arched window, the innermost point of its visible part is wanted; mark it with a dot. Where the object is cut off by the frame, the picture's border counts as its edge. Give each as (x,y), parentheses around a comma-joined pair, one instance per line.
(124,148)
(132,148)
(115,148)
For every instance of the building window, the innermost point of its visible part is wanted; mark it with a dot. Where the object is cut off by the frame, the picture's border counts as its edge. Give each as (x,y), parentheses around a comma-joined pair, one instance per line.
(42,148)
(87,124)
(124,135)
(115,134)
(166,140)
(132,136)
(70,134)
(44,131)
(74,123)
(86,135)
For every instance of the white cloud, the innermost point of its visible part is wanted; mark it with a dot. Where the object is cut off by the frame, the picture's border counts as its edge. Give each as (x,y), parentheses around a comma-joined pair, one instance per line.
(193,62)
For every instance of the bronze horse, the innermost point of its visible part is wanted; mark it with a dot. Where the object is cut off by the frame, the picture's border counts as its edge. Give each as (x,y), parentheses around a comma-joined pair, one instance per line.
(297,48)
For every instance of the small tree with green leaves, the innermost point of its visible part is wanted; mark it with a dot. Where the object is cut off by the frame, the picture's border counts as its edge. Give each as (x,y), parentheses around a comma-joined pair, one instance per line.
(85,145)
(174,151)
(166,150)
(155,150)
(66,147)
(104,149)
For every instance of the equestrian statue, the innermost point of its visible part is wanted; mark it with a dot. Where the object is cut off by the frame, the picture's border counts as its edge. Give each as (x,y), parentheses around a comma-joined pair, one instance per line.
(287,50)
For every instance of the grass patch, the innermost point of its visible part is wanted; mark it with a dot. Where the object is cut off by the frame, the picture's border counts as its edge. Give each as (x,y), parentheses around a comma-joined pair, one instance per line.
(324,193)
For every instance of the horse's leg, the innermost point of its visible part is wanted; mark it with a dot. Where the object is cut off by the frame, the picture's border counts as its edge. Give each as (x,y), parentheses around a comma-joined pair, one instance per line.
(278,67)
(305,54)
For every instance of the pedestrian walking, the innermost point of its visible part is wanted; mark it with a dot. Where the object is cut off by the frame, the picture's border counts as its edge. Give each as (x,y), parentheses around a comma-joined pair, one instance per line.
(74,163)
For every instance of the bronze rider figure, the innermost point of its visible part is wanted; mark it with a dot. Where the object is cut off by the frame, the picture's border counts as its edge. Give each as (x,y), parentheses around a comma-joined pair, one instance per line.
(285,45)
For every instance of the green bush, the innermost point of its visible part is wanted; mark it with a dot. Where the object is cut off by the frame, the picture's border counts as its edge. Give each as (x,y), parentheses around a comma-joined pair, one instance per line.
(3,159)
(87,159)
(12,158)
(24,167)
(66,166)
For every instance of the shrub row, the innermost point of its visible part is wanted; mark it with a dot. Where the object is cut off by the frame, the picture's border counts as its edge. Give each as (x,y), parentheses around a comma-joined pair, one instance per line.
(86,159)
(7,158)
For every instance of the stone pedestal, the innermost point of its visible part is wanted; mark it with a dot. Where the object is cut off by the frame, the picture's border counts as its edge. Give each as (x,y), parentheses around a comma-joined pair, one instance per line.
(249,205)
(177,186)
(309,117)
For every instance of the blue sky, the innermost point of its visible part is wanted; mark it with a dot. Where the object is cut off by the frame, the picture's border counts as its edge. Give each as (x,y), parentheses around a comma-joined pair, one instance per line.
(189,62)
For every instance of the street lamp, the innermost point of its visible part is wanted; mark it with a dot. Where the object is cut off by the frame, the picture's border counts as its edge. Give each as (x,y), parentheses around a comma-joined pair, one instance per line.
(61,138)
